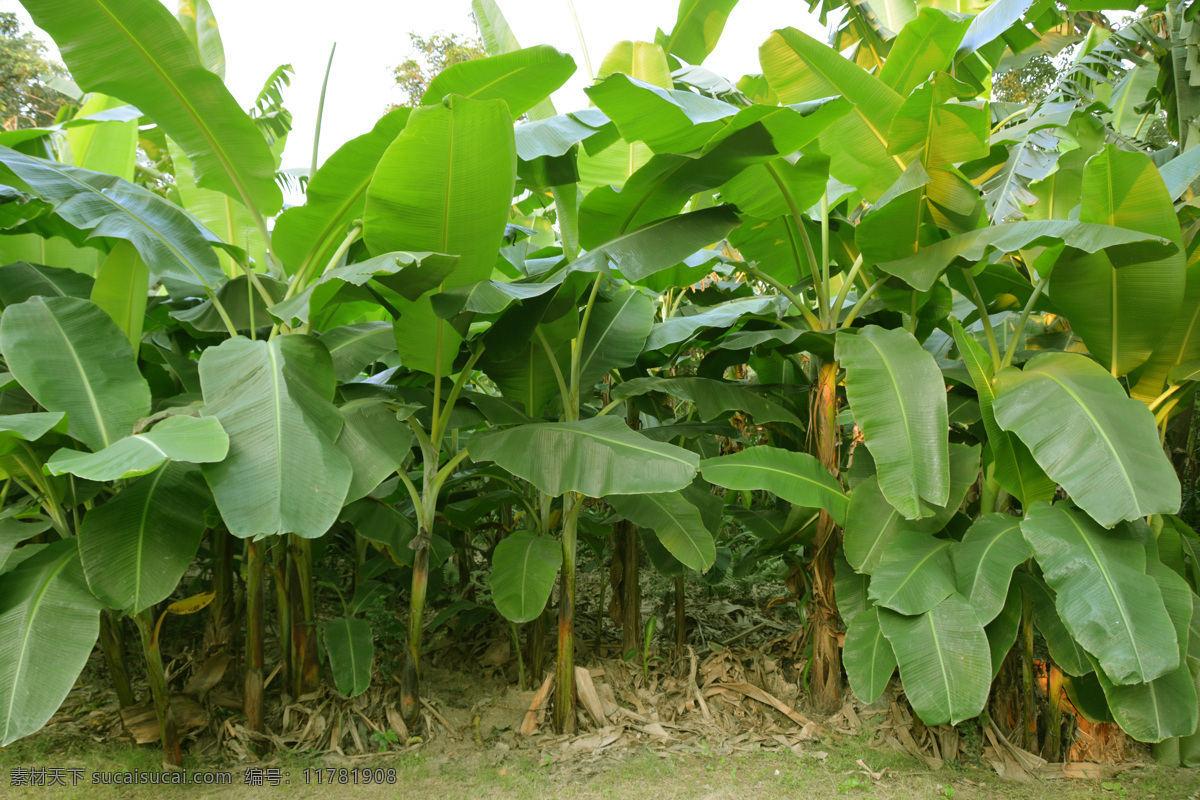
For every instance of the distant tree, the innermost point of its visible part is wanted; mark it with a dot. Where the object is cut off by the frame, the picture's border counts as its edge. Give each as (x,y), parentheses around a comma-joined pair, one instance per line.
(25,100)
(1028,83)
(432,55)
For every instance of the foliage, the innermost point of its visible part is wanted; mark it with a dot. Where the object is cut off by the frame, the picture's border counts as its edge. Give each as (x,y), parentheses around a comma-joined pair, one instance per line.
(26,101)
(432,55)
(853,315)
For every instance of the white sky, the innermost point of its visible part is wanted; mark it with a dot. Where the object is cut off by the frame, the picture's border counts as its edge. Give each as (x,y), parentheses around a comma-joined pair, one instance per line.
(372,37)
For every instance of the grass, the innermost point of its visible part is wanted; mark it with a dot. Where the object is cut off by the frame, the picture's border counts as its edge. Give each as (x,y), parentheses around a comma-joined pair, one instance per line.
(637,772)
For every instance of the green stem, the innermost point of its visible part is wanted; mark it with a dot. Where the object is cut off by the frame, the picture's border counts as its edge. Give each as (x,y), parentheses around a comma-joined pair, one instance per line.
(825,283)
(564,705)
(167,730)
(558,376)
(452,398)
(572,410)
(983,315)
(1011,350)
(779,286)
(840,300)
(861,302)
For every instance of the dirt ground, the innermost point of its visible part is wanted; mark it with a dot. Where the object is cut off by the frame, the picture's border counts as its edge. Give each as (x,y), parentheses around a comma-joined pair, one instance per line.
(727,718)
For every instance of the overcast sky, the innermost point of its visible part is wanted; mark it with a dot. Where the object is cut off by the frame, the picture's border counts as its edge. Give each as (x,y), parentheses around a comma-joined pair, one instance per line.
(372,38)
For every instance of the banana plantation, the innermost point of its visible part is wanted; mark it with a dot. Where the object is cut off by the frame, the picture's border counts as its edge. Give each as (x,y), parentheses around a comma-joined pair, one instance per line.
(856,327)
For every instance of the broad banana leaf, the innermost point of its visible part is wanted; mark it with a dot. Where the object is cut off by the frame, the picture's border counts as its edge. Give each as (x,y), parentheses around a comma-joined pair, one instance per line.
(944,660)
(595,457)
(678,524)
(122,288)
(136,547)
(868,655)
(799,68)
(712,398)
(1089,436)
(521,78)
(283,474)
(179,438)
(356,346)
(1016,470)
(49,623)
(659,245)
(898,397)
(524,568)
(165,236)
(374,442)
(135,50)
(923,268)
(21,281)
(615,335)
(984,562)
(871,525)
(796,477)
(1122,310)
(914,575)
(72,357)
(445,185)
(1103,594)
(698,26)
(925,45)
(306,236)
(351,648)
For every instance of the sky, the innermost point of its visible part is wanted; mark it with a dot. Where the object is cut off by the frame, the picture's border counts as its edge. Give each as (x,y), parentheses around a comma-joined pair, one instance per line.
(372,38)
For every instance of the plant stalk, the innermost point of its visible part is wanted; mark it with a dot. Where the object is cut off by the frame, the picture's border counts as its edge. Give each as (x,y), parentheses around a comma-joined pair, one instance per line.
(167,730)
(252,697)
(564,701)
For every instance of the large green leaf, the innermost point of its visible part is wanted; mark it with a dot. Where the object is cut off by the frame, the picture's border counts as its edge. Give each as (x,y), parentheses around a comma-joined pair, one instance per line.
(524,568)
(72,357)
(135,50)
(868,655)
(915,573)
(1103,594)
(944,660)
(220,213)
(800,68)
(176,438)
(943,130)
(984,562)
(122,287)
(21,281)
(925,45)
(711,397)
(351,649)
(521,78)
(306,236)
(445,185)
(1016,470)
(200,27)
(723,315)
(1089,436)
(167,239)
(615,335)
(1179,345)
(665,184)
(14,530)
(353,347)
(698,26)
(375,443)
(1002,631)
(1122,310)
(923,268)
(796,477)
(1065,651)
(283,472)
(595,457)
(871,525)
(136,547)
(661,244)
(49,623)
(677,523)
(899,401)
(667,120)
(29,427)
